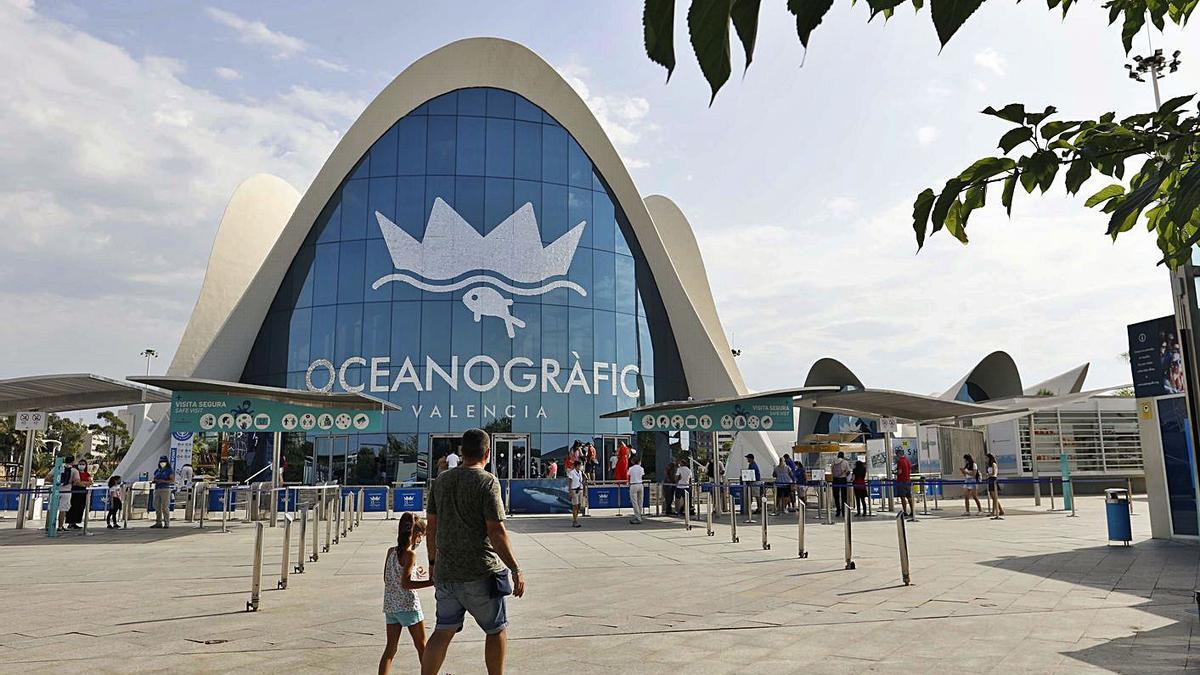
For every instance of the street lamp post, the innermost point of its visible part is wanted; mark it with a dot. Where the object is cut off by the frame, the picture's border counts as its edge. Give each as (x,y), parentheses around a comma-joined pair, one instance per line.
(149,354)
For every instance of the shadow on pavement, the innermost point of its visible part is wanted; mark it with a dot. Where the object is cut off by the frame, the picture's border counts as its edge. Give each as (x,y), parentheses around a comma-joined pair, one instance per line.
(1163,572)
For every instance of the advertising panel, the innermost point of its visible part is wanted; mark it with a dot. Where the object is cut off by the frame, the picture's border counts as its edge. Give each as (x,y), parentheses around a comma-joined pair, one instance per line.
(773,413)
(208,411)
(539,496)
(1156,358)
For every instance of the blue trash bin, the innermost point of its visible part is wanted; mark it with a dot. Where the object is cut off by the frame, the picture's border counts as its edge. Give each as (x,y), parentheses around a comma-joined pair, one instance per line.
(1116,509)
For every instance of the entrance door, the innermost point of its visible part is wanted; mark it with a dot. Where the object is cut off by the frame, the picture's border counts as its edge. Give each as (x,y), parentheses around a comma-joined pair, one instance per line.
(329,458)
(510,455)
(607,455)
(441,445)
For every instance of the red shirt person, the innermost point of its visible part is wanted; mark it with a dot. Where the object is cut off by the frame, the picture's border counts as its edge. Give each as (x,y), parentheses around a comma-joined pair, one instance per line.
(621,472)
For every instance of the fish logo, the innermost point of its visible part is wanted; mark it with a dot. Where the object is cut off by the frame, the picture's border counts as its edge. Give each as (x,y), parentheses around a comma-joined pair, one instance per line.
(509,259)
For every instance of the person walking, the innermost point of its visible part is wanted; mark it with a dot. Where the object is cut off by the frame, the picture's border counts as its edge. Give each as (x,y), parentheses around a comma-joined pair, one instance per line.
(970,474)
(575,487)
(115,495)
(860,489)
(452,460)
(993,477)
(800,477)
(402,607)
(683,488)
(903,483)
(589,454)
(838,471)
(471,558)
(636,473)
(164,478)
(783,485)
(747,490)
(668,487)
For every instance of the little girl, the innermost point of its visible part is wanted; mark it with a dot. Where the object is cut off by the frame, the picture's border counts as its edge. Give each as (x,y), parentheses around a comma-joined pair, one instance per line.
(114,502)
(402,607)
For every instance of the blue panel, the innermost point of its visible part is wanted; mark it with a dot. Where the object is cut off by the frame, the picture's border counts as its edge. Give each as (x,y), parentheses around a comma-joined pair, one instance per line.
(465,335)
(470,146)
(1178,464)
(604,279)
(406,332)
(525,110)
(354,210)
(554,154)
(440,152)
(581,273)
(579,167)
(468,200)
(377,329)
(383,154)
(500,103)
(411,151)
(497,202)
(446,104)
(324,319)
(381,198)
(329,224)
(376,265)
(410,205)
(325,278)
(579,210)
(626,284)
(472,102)
(499,160)
(554,212)
(579,328)
(604,222)
(350,271)
(299,338)
(527,151)
(347,332)
(435,326)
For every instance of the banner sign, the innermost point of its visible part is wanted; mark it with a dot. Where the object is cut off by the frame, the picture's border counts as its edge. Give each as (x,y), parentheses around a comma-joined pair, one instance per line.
(211,411)
(31,421)
(1156,358)
(181,450)
(773,413)
(408,499)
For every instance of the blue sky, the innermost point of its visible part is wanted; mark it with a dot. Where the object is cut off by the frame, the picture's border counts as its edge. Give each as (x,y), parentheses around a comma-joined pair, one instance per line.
(127,125)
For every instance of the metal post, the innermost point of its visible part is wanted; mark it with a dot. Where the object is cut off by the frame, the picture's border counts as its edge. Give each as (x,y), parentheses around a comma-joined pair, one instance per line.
(337,530)
(87,510)
(902,538)
(224,511)
(708,513)
(765,515)
(733,516)
(284,562)
(327,507)
(256,580)
(891,461)
(1037,484)
(25,500)
(1129,489)
(924,498)
(203,503)
(1071,488)
(687,509)
(1051,493)
(276,474)
(849,545)
(937,493)
(317,511)
(299,569)
(351,510)
(361,504)
(829,503)
(800,529)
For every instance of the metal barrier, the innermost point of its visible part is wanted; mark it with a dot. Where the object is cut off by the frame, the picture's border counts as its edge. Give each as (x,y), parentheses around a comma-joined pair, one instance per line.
(1051,494)
(902,539)
(733,516)
(849,543)
(315,555)
(351,511)
(225,511)
(256,580)
(346,508)
(687,509)
(299,568)
(284,566)
(708,512)
(766,514)
(829,504)
(801,508)
(331,508)
(361,504)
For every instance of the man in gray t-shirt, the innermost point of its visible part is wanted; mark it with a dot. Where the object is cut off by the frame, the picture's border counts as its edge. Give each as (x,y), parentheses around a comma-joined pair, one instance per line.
(469,552)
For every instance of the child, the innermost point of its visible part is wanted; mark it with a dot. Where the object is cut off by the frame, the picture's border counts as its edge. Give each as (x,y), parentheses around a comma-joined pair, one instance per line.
(115,492)
(402,607)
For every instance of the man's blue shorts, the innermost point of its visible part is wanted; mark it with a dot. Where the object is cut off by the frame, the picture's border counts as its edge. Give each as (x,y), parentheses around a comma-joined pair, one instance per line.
(903,489)
(455,599)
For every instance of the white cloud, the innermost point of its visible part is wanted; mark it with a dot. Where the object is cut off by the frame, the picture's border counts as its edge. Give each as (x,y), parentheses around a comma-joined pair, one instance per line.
(623,117)
(329,65)
(841,206)
(107,210)
(227,73)
(927,135)
(259,34)
(991,60)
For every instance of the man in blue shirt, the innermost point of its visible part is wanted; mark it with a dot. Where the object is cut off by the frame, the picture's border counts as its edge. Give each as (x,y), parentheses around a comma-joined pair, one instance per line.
(164,478)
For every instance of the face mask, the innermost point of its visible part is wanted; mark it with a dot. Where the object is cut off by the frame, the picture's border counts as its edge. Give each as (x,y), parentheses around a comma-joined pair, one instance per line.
(162,465)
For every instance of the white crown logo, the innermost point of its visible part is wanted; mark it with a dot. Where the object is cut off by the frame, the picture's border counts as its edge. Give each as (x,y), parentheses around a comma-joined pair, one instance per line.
(510,254)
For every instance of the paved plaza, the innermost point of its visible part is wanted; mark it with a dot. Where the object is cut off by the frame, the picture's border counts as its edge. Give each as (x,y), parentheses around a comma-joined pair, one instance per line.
(1037,592)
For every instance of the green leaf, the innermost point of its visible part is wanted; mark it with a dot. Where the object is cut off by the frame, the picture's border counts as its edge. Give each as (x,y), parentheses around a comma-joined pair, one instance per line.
(708,25)
(1107,117)
(1080,171)
(1186,199)
(884,6)
(1128,209)
(949,15)
(1015,137)
(975,198)
(1036,118)
(917,5)
(658,25)
(745,22)
(1038,170)
(1174,104)
(808,16)
(1010,186)
(921,208)
(1013,112)
(1106,193)
(986,168)
(1052,129)
(942,206)
(955,224)
(1135,18)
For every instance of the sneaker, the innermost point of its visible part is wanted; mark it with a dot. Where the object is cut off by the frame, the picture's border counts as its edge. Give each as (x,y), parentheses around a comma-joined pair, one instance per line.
(155,525)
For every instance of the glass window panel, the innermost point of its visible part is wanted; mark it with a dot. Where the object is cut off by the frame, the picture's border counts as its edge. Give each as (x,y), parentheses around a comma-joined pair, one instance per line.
(383,154)
(324,320)
(645,347)
(410,205)
(579,210)
(435,326)
(626,339)
(410,142)
(579,167)
(497,202)
(431,402)
(500,103)
(437,187)
(626,284)
(362,169)
(354,210)
(525,404)
(579,327)
(329,223)
(406,334)
(623,231)
(527,150)
(527,342)
(582,414)
(350,271)
(528,192)
(470,146)
(493,403)
(466,335)
(465,411)
(554,212)
(303,278)
(299,339)
(554,154)
(439,157)
(325,277)
(555,405)
(446,104)
(381,198)
(554,333)
(604,279)
(472,102)
(604,222)
(605,336)
(378,264)
(499,161)
(606,403)
(468,200)
(496,342)
(581,273)
(525,110)
(347,332)
(377,329)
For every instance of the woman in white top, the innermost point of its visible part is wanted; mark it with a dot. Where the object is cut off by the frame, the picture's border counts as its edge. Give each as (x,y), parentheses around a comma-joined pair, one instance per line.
(970,474)
(993,475)
(575,488)
(402,607)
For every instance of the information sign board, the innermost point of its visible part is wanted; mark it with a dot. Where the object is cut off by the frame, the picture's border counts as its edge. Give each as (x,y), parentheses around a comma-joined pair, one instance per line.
(208,411)
(772,413)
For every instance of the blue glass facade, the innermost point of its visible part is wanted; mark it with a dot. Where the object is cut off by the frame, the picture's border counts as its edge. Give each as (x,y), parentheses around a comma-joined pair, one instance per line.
(446,346)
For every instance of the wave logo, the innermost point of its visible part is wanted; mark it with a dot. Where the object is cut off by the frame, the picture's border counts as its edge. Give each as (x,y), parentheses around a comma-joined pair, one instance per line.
(510,258)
